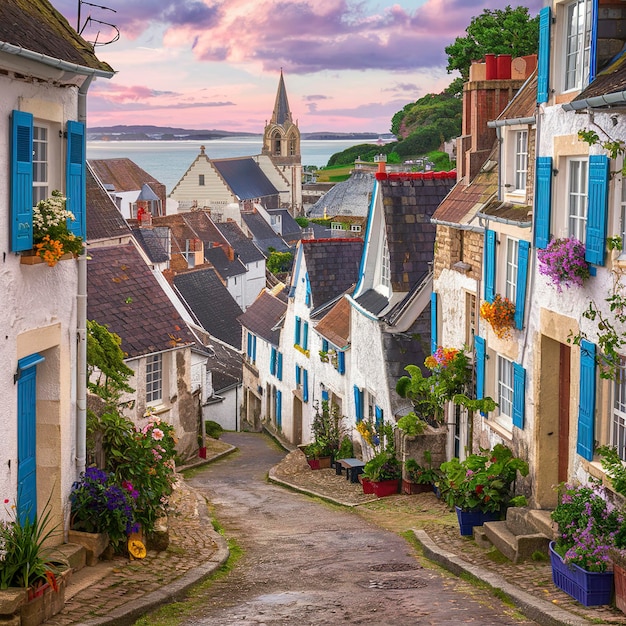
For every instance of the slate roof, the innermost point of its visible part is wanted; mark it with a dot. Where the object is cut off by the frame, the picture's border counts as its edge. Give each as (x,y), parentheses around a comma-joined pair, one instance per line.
(204,227)
(281,113)
(226,366)
(372,301)
(180,232)
(464,201)
(152,241)
(612,79)
(104,221)
(350,197)
(125,175)
(124,295)
(409,201)
(224,266)
(335,325)
(245,178)
(209,301)
(263,234)
(263,315)
(37,26)
(290,229)
(332,265)
(244,246)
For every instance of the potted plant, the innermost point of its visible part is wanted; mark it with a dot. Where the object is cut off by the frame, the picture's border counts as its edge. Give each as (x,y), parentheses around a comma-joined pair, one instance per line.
(419,478)
(500,313)
(328,431)
(563,262)
(318,455)
(345,451)
(384,472)
(580,556)
(480,487)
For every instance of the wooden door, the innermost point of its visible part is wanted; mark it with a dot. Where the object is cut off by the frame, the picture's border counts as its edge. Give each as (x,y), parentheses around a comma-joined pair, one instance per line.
(564,409)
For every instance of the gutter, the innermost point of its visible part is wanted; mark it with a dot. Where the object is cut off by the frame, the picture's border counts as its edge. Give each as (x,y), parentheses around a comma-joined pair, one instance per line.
(44,59)
(517,121)
(502,220)
(473,229)
(610,99)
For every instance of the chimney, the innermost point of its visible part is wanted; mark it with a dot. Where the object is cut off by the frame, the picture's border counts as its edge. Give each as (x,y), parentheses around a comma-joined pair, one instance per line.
(381,159)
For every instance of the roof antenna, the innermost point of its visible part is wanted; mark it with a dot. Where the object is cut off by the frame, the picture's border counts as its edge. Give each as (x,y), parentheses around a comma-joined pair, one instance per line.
(89,20)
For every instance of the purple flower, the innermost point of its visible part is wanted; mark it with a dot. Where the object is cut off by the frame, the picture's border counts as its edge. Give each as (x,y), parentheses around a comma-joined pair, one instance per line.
(563,262)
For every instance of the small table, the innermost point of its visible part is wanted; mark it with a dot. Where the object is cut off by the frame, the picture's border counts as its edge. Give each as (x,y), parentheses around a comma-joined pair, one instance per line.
(353,468)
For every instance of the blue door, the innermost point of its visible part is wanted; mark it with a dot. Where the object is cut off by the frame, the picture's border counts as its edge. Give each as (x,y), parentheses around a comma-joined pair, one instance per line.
(27,437)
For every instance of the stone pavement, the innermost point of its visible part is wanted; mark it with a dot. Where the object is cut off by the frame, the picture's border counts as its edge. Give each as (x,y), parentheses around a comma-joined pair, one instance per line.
(118,592)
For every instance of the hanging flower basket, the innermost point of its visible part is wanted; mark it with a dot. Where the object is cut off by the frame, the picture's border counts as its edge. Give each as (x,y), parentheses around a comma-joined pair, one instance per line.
(500,314)
(563,262)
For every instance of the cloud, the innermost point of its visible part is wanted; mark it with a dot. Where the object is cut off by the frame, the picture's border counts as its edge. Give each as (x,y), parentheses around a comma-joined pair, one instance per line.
(401,87)
(315,97)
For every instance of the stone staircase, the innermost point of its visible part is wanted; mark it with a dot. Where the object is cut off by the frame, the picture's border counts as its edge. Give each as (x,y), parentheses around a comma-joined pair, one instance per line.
(524,532)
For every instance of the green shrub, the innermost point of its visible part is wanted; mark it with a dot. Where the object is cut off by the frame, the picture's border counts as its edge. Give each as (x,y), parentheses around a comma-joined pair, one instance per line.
(213,429)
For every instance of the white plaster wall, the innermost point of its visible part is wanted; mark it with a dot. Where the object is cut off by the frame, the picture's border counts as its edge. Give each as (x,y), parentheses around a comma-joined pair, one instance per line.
(126,200)
(226,412)
(213,194)
(253,282)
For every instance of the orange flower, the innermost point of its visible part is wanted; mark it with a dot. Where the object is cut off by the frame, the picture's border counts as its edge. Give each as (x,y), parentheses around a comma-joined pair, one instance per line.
(500,314)
(50,250)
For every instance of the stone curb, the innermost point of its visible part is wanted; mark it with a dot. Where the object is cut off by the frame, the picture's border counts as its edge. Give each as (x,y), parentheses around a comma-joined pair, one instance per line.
(126,615)
(542,612)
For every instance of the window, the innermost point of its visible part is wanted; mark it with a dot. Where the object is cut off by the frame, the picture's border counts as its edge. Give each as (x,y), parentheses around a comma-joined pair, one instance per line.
(618,429)
(505,390)
(577,44)
(201,180)
(521,159)
(336,226)
(512,249)
(577,199)
(40,164)
(154,378)
(355,228)
(385,269)
(470,318)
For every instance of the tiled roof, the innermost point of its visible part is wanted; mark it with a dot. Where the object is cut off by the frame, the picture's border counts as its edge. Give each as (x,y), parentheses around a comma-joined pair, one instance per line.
(225,365)
(124,295)
(245,247)
(332,265)
(372,301)
(210,302)
(263,315)
(409,202)
(125,175)
(245,178)
(224,266)
(524,102)
(152,242)
(464,201)
(37,26)
(204,227)
(508,211)
(263,234)
(610,80)
(104,221)
(350,197)
(335,325)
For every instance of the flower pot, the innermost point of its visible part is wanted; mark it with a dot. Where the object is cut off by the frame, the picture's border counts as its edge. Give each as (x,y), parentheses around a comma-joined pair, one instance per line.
(588,588)
(94,543)
(411,488)
(384,488)
(367,484)
(31,257)
(45,603)
(202,452)
(469,519)
(322,463)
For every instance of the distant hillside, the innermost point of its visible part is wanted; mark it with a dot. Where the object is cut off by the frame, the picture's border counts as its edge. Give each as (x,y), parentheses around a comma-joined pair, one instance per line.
(168,133)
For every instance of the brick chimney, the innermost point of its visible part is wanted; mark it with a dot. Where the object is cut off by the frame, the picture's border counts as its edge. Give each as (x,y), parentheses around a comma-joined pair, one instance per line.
(491,86)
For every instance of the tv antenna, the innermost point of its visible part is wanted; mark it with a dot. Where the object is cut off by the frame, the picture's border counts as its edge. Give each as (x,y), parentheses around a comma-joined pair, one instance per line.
(115,35)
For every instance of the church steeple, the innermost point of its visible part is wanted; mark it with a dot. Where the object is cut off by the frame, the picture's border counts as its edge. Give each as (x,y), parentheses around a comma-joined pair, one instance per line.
(281,138)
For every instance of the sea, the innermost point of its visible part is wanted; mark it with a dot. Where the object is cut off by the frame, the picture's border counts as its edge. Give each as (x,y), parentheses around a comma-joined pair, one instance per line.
(167,161)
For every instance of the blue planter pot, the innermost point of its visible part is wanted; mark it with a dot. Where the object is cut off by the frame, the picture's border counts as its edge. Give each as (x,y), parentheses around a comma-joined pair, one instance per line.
(469,519)
(588,588)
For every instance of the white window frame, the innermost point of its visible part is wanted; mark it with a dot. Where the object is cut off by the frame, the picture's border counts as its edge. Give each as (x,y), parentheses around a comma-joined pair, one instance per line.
(577,175)
(154,378)
(576,45)
(504,388)
(618,412)
(512,262)
(520,169)
(41,162)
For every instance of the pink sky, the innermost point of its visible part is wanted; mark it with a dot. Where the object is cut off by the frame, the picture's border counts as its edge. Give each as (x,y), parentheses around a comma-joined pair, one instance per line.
(349,65)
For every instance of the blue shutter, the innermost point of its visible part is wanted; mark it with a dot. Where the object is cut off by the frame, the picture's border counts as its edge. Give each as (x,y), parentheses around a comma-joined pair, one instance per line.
(433,322)
(279,408)
(358,403)
(479,346)
(307,295)
(597,208)
(543,62)
(21,181)
(324,345)
(379,416)
(75,178)
(254,348)
(586,400)
(249,351)
(324,395)
(298,374)
(305,336)
(273,361)
(593,52)
(296,338)
(305,385)
(490,265)
(279,366)
(519,395)
(341,362)
(543,200)
(522,279)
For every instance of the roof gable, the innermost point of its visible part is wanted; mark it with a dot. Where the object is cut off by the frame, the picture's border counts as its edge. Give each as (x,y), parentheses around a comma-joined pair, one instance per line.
(263,315)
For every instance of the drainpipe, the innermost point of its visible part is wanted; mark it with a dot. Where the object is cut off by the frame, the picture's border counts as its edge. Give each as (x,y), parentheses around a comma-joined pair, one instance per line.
(81,325)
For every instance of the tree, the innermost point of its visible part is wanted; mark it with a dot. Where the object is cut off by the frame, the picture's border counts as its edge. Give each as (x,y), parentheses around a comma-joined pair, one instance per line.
(498,31)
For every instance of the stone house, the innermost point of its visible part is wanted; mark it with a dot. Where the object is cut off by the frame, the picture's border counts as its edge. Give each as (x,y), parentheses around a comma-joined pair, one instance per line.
(45,73)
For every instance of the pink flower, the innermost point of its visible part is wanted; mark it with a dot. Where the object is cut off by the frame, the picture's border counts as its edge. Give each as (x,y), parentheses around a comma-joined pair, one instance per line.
(157,434)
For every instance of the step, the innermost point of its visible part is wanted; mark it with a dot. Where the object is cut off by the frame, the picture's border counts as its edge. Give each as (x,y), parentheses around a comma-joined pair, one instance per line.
(73,553)
(542,522)
(481,538)
(516,548)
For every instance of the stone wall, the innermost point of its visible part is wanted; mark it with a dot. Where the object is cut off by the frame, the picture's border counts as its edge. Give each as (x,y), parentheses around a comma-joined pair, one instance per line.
(414,447)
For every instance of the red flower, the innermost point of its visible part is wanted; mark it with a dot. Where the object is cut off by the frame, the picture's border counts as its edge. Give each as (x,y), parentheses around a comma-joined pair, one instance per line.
(479,489)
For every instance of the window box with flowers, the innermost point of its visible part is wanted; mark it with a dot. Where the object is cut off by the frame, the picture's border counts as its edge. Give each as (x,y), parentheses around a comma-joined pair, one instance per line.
(500,313)
(563,262)
(52,238)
